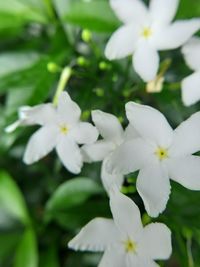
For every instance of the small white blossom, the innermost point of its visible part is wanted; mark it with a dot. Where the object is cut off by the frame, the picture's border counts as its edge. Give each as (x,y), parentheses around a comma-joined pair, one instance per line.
(191,84)
(147,31)
(124,240)
(113,136)
(61,129)
(159,153)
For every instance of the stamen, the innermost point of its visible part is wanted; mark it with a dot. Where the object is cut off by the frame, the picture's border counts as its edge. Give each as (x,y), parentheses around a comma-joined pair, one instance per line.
(64,129)
(146,32)
(130,246)
(162,153)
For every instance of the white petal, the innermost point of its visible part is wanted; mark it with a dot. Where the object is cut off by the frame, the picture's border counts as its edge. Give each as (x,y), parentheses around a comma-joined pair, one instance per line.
(122,43)
(150,123)
(40,144)
(41,114)
(186,171)
(190,87)
(97,151)
(139,261)
(186,137)
(154,188)
(97,235)
(12,127)
(108,125)
(68,110)
(69,154)
(156,242)
(130,133)
(112,258)
(129,10)
(85,133)
(146,61)
(176,34)
(191,52)
(129,157)
(110,180)
(163,11)
(126,215)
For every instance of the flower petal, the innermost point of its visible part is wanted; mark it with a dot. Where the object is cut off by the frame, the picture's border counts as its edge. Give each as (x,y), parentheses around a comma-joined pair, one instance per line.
(186,137)
(69,154)
(126,215)
(122,43)
(113,258)
(186,171)
(190,87)
(191,52)
(97,151)
(154,188)
(108,125)
(85,133)
(110,180)
(130,133)
(139,261)
(129,157)
(150,123)
(68,110)
(163,11)
(155,242)
(146,61)
(97,235)
(129,10)
(176,34)
(40,144)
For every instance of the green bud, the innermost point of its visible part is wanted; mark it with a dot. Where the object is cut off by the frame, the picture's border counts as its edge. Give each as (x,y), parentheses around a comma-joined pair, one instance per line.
(81,61)
(99,92)
(121,119)
(86,36)
(53,67)
(124,190)
(85,115)
(146,219)
(103,65)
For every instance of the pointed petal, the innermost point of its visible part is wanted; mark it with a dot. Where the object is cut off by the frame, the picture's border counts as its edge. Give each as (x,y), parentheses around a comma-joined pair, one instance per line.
(112,258)
(129,10)
(12,127)
(163,11)
(97,235)
(97,151)
(126,215)
(191,52)
(110,180)
(129,157)
(190,87)
(150,123)
(186,171)
(186,137)
(130,133)
(85,133)
(176,34)
(40,144)
(139,261)
(155,242)
(69,154)
(68,110)
(108,125)
(146,61)
(154,188)
(122,43)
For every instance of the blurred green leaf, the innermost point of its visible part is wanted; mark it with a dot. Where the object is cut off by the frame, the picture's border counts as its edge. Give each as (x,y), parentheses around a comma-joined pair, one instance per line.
(26,253)
(72,193)
(188,9)
(94,15)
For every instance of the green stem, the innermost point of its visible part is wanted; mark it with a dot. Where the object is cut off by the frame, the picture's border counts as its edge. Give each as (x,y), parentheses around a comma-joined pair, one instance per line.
(49,8)
(64,78)
(189,253)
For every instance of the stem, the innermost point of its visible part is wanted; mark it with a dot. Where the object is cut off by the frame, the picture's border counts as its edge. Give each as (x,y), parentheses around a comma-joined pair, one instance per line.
(64,78)
(49,8)
(189,253)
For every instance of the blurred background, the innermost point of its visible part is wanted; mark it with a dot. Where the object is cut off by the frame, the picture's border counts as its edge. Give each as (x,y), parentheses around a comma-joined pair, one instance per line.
(41,206)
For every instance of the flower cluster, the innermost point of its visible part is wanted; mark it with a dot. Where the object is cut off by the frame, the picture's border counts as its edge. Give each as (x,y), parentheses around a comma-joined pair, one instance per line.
(148,144)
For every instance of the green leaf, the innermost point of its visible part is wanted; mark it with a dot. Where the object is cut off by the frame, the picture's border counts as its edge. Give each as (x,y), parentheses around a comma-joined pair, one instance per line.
(11,199)
(188,9)
(94,15)
(72,193)
(27,254)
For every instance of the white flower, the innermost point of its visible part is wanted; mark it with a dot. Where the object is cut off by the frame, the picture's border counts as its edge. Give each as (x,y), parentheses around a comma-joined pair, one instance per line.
(191,84)
(147,31)
(113,135)
(61,129)
(124,240)
(160,153)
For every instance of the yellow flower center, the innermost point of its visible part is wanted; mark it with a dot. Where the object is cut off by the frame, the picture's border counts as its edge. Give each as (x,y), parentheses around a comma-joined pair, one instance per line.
(130,246)
(146,32)
(162,153)
(64,129)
